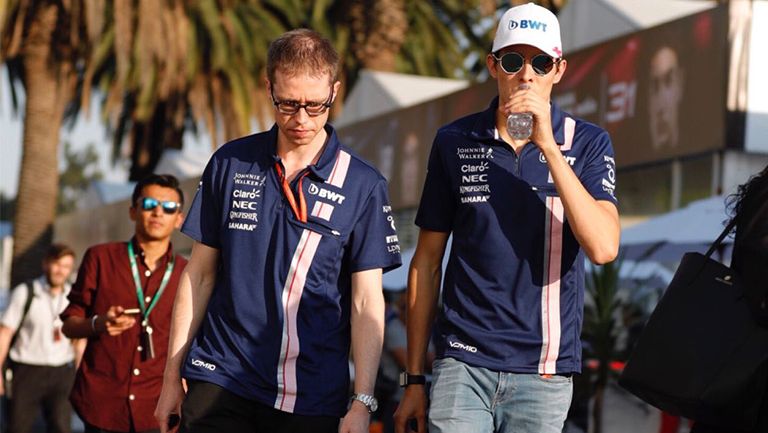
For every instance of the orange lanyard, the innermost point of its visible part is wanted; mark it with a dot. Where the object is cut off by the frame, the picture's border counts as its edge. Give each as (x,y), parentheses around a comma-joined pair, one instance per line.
(299,211)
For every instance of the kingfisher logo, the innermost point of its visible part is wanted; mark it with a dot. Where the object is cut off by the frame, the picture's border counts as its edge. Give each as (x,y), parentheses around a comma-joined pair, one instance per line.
(206,365)
(528,24)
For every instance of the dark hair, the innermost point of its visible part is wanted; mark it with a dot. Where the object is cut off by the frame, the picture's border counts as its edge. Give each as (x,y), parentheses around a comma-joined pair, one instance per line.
(302,51)
(747,193)
(57,251)
(164,180)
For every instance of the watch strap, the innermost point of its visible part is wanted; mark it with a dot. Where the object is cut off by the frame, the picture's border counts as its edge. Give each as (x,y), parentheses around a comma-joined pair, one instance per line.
(412,379)
(369,401)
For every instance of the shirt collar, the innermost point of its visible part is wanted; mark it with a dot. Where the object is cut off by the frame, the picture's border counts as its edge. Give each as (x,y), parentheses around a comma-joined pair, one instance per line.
(40,286)
(324,166)
(485,126)
(140,252)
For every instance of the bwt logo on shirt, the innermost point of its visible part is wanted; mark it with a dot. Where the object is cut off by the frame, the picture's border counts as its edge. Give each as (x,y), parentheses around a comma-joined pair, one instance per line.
(199,363)
(528,24)
(324,193)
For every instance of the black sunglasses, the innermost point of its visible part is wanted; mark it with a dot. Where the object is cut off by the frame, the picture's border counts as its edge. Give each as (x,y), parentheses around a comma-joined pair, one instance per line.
(512,62)
(312,108)
(169,207)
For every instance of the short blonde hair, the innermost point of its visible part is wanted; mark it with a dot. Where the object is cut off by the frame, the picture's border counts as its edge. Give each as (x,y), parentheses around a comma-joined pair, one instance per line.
(302,51)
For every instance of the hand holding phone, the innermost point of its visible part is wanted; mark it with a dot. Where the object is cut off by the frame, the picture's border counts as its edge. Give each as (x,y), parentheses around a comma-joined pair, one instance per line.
(173,420)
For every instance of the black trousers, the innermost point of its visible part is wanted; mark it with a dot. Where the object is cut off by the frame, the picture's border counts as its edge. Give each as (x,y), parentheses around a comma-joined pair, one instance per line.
(209,408)
(36,387)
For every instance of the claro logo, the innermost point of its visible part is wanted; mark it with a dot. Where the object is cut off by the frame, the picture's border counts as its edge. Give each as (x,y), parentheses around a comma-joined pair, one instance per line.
(462,346)
(199,363)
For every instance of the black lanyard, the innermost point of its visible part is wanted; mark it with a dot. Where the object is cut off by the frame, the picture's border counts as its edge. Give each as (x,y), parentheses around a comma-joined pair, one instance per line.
(139,291)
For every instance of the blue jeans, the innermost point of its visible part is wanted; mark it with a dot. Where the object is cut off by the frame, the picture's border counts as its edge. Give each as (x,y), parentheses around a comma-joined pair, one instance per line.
(478,400)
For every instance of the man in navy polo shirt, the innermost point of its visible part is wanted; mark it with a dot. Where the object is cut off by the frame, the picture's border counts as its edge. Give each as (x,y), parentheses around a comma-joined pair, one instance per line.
(522,212)
(292,232)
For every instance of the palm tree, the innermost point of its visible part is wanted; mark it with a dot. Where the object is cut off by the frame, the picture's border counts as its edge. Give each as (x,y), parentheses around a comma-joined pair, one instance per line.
(177,63)
(215,78)
(432,37)
(40,41)
(156,62)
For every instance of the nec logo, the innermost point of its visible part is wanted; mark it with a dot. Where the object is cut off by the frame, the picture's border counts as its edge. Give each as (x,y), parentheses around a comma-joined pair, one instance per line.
(199,363)
(528,24)
(324,193)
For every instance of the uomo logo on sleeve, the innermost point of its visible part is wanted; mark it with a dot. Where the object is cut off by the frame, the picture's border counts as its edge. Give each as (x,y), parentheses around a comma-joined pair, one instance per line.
(206,365)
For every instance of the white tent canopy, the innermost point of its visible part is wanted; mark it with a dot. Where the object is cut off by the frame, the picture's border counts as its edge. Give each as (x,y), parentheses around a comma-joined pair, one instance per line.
(668,236)
(648,273)
(376,93)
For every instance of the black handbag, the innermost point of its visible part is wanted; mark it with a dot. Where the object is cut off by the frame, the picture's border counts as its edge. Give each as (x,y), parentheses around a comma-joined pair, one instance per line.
(702,355)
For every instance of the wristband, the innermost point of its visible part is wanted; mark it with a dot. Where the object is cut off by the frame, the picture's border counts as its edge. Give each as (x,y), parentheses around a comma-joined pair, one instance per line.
(93,323)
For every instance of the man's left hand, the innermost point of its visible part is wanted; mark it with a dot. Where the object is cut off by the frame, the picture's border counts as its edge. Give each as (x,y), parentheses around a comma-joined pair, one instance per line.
(356,420)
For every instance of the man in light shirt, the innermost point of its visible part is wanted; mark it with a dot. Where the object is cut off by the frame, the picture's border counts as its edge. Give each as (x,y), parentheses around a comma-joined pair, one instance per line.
(42,358)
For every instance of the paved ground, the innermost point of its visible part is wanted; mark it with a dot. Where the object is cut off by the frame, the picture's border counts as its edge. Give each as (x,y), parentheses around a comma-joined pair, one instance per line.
(624,413)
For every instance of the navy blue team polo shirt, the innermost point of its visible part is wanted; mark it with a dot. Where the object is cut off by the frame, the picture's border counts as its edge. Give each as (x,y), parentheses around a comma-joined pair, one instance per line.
(513,291)
(277,327)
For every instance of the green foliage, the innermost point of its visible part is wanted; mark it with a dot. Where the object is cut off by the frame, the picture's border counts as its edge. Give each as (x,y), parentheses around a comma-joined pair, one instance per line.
(600,314)
(600,329)
(77,175)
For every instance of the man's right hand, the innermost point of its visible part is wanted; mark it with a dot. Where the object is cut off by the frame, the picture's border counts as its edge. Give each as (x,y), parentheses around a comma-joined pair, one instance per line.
(114,322)
(413,405)
(169,404)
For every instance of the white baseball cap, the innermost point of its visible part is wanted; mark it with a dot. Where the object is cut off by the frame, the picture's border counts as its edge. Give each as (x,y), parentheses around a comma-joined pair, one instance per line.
(529,24)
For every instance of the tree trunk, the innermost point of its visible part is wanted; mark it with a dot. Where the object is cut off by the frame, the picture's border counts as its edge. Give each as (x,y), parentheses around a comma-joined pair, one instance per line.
(379,28)
(48,89)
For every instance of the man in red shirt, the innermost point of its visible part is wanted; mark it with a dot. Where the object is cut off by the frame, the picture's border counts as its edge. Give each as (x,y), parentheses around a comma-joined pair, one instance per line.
(121,303)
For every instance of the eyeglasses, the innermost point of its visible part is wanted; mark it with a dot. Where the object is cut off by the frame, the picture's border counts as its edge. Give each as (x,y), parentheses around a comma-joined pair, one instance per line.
(312,108)
(512,62)
(169,207)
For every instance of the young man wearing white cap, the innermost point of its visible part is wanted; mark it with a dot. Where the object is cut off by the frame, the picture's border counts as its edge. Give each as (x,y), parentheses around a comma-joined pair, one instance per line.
(523,212)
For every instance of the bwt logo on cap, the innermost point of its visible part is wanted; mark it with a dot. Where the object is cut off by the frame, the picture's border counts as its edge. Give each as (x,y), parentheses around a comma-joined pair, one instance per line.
(528,24)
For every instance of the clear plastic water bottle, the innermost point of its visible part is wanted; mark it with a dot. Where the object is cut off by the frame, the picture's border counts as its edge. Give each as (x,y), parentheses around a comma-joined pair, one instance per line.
(520,125)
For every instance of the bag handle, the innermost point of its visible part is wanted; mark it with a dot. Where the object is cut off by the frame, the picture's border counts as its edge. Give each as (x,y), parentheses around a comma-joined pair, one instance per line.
(720,238)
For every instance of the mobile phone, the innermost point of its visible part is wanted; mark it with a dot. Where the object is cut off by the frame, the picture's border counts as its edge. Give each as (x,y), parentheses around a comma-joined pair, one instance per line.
(132,311)
(173,420)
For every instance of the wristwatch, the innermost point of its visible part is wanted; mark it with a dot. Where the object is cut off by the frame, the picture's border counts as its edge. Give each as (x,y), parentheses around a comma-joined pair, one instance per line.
(369,401)
(411,379)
